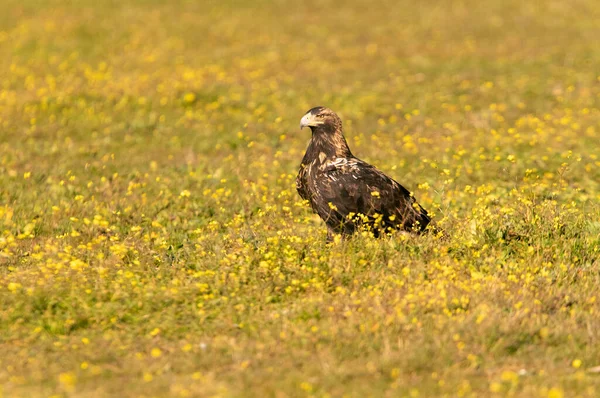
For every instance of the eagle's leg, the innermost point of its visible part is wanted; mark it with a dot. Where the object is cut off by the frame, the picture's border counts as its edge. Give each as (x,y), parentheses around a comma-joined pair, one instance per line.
(330,235)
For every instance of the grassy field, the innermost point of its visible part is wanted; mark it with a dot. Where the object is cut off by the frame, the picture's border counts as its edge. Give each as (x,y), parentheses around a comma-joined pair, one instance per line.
(152,242)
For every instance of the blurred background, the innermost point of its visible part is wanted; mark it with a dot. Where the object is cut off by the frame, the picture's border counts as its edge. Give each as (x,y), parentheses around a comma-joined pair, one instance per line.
(179,75)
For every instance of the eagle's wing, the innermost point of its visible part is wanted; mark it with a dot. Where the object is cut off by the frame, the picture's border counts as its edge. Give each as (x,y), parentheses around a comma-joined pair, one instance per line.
(301,182)
(350,185)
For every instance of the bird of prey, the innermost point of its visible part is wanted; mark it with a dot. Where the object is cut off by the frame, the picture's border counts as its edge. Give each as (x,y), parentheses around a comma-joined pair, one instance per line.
(346,192)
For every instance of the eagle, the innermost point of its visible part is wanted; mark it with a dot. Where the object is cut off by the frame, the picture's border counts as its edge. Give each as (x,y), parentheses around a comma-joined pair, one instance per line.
(348,193)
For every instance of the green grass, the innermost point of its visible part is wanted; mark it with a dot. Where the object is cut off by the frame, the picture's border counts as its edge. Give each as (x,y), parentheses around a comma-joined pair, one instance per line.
(152,242)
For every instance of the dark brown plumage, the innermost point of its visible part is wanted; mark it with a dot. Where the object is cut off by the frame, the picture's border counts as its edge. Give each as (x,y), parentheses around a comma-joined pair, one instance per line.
(347,192)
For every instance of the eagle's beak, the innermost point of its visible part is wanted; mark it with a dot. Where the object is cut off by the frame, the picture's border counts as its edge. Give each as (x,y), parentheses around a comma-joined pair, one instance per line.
(305,121)
(308,120)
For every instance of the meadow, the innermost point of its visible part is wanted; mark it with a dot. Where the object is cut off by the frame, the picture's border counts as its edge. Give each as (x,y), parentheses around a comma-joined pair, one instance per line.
(152,242)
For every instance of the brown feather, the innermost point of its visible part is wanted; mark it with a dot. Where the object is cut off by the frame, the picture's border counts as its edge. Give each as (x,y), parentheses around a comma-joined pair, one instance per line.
(347,192)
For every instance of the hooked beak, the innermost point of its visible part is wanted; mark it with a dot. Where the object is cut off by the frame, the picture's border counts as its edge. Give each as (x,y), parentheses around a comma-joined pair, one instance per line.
(304,121)
(308,120)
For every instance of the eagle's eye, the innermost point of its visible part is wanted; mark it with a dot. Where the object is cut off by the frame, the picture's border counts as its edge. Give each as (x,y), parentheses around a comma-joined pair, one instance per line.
(320,115)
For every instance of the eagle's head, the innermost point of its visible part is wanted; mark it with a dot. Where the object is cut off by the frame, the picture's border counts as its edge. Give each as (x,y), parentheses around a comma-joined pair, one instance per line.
(322,119)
